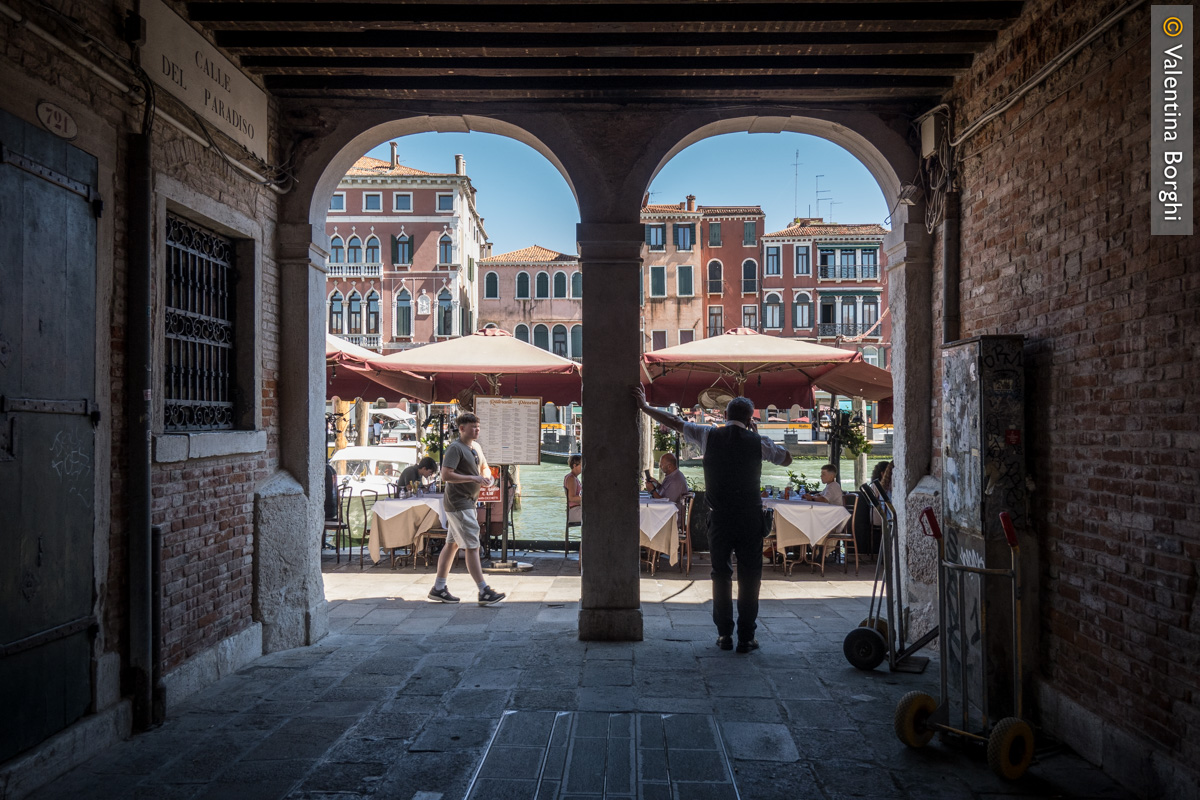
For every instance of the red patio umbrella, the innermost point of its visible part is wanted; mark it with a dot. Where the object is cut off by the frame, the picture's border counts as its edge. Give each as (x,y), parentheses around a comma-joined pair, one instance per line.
(489,361)
(767,369)
(347,376)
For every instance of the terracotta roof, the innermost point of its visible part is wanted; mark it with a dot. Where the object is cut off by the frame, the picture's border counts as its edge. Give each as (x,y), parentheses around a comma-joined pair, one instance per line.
(366,166)
(817,231)
(666,208)
(534,253)
(727,210)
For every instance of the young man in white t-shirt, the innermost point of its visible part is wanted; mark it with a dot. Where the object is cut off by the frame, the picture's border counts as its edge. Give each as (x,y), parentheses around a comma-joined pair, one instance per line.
(832,493)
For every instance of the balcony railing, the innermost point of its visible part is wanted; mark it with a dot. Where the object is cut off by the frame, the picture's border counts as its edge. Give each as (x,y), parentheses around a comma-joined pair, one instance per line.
(848,272)
(749,285)
(368,340)
(829,329)
(354,270)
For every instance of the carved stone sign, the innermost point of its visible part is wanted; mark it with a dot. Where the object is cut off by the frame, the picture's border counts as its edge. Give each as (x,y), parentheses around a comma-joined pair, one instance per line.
(187,65)
(55,119)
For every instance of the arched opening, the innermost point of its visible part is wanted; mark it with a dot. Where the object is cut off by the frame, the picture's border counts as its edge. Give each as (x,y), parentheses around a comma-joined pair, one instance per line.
(522,288)
(542,284)
(336,319)
(577,342)
(560,285)
(577,285)
(491,286)
(559,341)
(521,332)
(541,337)
(403,314)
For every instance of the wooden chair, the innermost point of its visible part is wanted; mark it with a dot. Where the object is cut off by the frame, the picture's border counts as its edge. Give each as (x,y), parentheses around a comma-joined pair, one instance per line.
(685,534)
(567,529)
(843,536)
(340,524)
(363,496)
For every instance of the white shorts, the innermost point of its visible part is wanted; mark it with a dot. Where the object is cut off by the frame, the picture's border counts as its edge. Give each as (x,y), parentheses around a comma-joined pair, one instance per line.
(462,528)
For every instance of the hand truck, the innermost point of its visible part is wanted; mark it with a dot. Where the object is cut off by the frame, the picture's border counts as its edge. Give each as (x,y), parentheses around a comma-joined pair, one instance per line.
(879,636)
(918,716)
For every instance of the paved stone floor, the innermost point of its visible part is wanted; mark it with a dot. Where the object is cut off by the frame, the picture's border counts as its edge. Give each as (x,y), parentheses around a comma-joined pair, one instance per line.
(415,701)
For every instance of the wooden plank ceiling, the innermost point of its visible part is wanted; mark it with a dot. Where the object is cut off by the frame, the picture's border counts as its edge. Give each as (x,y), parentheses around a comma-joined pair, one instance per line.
(871,52)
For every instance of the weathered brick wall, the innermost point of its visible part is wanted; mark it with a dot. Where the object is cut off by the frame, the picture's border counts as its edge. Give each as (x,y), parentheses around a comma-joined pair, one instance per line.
(205,507)
(1056,246)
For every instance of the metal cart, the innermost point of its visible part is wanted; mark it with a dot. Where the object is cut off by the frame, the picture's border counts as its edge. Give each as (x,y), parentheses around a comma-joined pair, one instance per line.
(885,630)
(918,716)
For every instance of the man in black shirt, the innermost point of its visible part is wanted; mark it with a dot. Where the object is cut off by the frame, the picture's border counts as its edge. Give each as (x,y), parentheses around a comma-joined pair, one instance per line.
(733,457)
(417,473)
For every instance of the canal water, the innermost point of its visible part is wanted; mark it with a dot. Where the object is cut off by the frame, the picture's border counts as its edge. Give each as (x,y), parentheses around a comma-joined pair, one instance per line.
(543,505)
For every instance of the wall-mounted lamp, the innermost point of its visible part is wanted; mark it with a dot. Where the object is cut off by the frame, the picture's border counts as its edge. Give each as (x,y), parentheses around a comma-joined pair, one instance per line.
(909,193)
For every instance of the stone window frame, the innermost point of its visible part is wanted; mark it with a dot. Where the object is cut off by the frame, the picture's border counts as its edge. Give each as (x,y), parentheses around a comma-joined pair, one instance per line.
(378,196)
(691,280)
(396,196)
(650,291)
(437,203)
(666,335)
(496,279)
(334,196)
(247,234)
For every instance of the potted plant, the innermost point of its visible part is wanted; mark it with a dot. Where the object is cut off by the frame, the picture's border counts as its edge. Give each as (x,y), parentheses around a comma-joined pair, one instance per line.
(664,441)
(801,484)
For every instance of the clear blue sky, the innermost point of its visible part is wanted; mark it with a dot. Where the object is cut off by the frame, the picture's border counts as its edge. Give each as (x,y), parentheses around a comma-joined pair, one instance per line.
(524,200)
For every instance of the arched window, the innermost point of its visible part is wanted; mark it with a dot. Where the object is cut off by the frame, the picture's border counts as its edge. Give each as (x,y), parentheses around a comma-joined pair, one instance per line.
(445,317)
(372,250)
(354,251)
(543,285)
(576,284)
(491,325)
(714,278)
(560,340)
(802,312)
(403,314)
(577,341)
(773,311)
(337,250)
(355,304)
(560,284)
(336,318)
(403,249)
(522,285)
(749,277)
(445,249)
(522,332)
(373,312)
(541,336)
(491,286)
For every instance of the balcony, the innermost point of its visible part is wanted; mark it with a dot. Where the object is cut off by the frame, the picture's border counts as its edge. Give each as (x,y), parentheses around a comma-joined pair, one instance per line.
(371,341)
(749,285)
(832,329)
(848,272)
(354,270)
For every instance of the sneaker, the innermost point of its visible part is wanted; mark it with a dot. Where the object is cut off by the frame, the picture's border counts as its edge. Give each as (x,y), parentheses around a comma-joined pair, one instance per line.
(441,596)
(746,647)
(489,597)
(725,642)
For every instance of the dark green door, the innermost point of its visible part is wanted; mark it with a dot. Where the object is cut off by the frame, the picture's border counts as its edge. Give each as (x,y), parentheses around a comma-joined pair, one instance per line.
(47,448)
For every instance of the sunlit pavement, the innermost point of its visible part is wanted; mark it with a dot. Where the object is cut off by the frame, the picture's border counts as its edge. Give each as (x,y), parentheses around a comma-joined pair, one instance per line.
(413,700)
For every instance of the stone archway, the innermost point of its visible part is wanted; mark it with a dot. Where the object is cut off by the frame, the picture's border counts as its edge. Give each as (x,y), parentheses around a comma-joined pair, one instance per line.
(608,156)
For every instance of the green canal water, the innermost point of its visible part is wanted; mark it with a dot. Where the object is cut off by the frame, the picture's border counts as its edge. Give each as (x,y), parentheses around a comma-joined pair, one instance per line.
(543,507)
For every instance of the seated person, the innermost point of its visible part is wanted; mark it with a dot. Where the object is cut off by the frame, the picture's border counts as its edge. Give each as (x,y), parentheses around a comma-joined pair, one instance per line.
(832,492)
(674,485)
(418,473)
(883,474)
(574,489)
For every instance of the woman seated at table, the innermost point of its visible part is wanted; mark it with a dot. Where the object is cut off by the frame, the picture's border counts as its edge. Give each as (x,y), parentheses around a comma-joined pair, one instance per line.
(832,493)
(574,489)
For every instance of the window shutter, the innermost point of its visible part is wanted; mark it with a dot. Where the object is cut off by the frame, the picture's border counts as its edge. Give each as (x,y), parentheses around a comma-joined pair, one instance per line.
(692,231)
(647,235)
(395,250)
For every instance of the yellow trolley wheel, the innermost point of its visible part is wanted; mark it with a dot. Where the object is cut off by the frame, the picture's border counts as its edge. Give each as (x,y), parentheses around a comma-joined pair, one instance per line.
(880,625)
(909,720)
(1010,748)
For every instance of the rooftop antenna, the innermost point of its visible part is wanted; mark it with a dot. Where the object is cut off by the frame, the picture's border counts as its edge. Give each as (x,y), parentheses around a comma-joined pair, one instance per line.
(796,187)
(832,203)
(819,191)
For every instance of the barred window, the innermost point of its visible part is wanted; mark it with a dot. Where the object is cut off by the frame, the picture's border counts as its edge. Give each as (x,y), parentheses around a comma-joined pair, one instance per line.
(200,369)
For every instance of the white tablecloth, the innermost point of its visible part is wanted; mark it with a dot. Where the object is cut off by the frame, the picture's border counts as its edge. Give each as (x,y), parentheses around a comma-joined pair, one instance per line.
(398,523)
(799,522)
(658,527)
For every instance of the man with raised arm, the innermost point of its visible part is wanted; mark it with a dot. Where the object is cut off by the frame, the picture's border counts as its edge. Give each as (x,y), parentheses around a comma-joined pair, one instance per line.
(733,457)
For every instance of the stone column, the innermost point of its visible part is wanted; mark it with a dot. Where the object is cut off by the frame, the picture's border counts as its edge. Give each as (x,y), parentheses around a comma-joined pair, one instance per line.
(610,607)
(289,593)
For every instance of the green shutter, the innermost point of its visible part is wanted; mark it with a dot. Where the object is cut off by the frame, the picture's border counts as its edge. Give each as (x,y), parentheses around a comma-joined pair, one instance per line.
(648,236)
(395,250)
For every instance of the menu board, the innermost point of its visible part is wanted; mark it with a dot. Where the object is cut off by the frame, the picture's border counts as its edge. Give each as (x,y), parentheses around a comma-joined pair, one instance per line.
(510,429)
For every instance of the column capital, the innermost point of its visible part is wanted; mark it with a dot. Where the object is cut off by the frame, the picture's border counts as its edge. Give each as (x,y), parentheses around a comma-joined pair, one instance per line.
(610,241)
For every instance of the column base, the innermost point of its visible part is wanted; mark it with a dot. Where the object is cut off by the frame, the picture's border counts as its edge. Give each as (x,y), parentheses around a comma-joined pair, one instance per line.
(610,625)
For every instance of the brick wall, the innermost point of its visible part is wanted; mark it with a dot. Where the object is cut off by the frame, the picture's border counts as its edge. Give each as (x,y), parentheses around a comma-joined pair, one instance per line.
(205,507)
(1056,246)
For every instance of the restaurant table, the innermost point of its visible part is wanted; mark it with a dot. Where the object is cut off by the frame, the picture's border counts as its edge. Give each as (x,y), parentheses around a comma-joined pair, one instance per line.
(800,522)
(400,523)
(658,526)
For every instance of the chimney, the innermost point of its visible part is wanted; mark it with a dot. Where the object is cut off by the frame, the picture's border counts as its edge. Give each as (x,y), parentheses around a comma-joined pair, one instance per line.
(395,160)
(691,202)
(460,165)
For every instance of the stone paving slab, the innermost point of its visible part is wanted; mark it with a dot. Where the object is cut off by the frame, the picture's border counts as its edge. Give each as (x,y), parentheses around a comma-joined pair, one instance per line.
(416,701)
